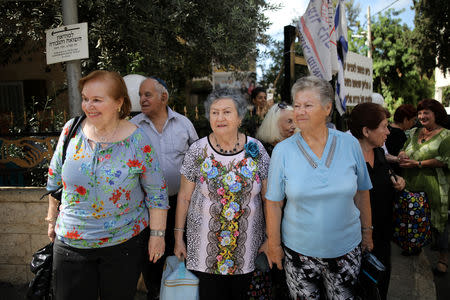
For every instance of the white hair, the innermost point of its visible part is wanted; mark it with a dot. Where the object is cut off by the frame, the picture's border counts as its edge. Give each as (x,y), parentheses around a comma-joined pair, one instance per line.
(269,131)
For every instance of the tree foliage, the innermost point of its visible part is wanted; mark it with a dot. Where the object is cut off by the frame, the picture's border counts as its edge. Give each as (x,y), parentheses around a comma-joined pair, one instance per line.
(431,35)
(173,39)
(396,75)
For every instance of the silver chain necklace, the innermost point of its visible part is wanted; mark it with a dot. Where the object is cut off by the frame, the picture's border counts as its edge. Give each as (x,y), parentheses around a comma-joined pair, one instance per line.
(104,139)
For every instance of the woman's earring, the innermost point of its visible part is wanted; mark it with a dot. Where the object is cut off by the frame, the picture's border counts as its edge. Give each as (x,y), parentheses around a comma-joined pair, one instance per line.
(118,109)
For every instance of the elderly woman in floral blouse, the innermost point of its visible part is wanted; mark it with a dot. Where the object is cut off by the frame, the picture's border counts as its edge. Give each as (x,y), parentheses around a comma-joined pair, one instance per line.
(222,183)
(113,190)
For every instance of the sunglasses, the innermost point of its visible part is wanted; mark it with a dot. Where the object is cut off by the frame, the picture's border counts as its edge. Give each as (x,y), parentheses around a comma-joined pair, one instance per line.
(282,105)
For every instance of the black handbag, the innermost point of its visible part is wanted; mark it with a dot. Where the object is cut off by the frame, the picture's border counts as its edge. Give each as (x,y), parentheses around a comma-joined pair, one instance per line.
(41,266)
(72,131)
(372,270)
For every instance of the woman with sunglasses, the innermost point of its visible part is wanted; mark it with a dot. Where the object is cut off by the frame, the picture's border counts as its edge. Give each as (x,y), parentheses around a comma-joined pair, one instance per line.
(278,124)
(326,222)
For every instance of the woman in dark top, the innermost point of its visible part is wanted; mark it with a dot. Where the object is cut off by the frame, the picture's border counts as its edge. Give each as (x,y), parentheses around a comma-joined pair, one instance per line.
(405,117)
(368,123)
(257,110)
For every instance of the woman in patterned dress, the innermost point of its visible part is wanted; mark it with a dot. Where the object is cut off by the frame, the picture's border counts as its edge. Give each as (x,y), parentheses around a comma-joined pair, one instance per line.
(426,161)
(113,190)
(220,201)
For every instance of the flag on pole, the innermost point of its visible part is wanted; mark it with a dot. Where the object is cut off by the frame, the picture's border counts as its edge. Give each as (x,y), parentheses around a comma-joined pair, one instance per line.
(340,24)
(318,39)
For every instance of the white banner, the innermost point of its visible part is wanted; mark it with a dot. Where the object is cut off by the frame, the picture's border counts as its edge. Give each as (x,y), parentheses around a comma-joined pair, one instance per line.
(318,38)
(358,79)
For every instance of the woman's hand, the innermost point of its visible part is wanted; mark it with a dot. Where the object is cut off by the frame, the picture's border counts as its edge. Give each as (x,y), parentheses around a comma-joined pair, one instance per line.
(275,255)
(402,155)
(156,246)
(51,231)
(398,183)
(180,249)
(367,242)
(408,163)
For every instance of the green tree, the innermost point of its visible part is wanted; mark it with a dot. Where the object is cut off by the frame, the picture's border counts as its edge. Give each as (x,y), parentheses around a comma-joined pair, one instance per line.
(174,39)
(431,35)
(396,75)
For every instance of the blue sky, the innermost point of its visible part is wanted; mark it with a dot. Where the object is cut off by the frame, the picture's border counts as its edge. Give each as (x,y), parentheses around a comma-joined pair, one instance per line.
(291,9)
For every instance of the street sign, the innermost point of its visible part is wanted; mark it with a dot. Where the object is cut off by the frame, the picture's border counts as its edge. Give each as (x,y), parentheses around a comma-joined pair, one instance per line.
(66,43)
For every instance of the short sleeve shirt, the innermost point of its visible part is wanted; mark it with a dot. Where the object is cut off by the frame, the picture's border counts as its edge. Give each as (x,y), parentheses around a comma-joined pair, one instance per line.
(320,217)
(225,220)
(106,191)
(170,145)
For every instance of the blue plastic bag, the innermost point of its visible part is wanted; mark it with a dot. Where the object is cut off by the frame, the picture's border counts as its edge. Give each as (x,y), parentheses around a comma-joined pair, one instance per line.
(177,282)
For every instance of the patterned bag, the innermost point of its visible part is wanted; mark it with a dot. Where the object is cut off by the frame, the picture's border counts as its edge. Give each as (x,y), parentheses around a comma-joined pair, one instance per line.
(412,227)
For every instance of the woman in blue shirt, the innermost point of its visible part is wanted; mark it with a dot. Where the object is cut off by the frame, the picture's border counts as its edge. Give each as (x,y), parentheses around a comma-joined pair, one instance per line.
(327,217)
(113,190)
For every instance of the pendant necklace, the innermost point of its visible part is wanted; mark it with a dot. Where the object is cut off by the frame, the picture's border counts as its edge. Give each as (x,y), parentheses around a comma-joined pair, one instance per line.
(425,136)
(227,151)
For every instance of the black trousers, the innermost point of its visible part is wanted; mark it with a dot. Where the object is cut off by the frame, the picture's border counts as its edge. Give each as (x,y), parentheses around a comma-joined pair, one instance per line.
(152,272)
(109,273)
(382,250)
(223,287)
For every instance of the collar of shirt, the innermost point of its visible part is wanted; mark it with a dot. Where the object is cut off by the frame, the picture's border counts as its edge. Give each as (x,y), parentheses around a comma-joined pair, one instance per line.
(144,118)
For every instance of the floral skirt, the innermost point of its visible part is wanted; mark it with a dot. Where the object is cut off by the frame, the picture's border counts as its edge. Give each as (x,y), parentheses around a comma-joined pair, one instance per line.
(260,286)
(412,226)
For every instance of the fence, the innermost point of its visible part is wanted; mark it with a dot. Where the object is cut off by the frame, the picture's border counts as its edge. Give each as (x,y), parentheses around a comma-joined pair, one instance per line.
(27,143)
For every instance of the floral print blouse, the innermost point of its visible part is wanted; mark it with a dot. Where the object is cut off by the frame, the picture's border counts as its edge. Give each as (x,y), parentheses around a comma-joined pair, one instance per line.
(225,220)
(106,190)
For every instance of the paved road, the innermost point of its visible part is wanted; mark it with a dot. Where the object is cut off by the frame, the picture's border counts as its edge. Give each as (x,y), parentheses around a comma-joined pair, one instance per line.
(442,282)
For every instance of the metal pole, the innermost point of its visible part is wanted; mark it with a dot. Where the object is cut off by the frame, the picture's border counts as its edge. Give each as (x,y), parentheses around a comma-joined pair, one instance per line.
(73,68)
(369,34)
(289,38)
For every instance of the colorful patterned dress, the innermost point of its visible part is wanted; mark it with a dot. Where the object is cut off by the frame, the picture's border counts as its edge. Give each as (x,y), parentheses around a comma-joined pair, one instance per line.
(433,181)
(106,190)
(225,220)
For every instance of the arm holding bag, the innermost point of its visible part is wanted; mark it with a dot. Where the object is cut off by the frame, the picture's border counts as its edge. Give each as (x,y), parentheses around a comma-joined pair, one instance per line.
(177,282)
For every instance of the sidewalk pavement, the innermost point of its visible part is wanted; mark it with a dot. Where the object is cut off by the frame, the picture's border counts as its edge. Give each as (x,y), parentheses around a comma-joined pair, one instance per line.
(411,279)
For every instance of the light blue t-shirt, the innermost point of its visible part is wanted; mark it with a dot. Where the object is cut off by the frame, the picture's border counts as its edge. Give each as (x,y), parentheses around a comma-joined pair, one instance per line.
(320,218)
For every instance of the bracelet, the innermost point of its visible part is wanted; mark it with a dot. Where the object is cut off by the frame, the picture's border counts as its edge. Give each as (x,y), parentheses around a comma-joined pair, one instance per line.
(367,228)
(420,164)
(160,233)
(178,229)
(50,220)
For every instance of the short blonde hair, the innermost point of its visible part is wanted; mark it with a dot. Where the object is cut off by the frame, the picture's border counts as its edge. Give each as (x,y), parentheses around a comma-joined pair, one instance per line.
(269,131)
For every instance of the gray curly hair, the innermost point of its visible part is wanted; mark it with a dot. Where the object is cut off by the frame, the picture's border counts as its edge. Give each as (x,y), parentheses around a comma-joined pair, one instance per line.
(222,93)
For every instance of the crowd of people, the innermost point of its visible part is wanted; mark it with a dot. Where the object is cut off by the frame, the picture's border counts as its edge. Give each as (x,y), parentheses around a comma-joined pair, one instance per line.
(272,185)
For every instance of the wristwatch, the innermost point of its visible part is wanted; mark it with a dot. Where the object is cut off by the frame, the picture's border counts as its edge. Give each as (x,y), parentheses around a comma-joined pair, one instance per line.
(161,233)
